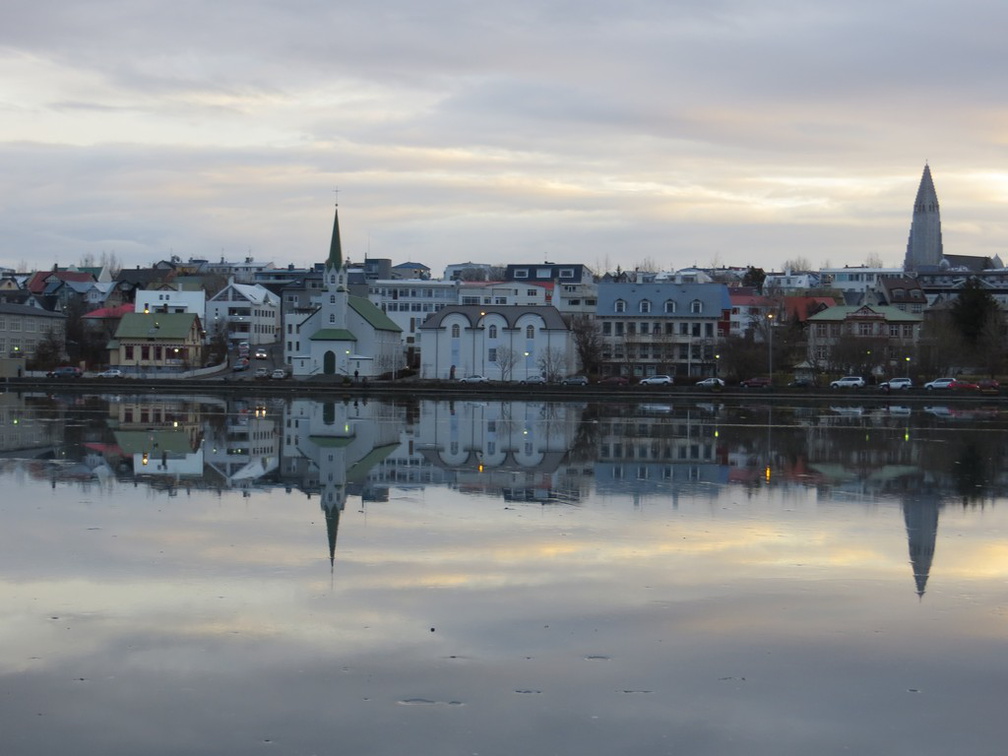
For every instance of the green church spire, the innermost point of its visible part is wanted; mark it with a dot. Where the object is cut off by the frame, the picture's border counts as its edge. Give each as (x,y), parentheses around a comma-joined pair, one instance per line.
(335,249)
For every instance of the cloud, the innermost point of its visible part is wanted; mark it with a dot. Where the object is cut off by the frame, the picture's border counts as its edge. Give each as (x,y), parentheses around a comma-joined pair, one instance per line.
(679,132)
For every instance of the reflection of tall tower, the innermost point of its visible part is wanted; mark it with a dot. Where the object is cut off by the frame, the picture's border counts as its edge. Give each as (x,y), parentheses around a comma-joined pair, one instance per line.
(924,247)
(921,518)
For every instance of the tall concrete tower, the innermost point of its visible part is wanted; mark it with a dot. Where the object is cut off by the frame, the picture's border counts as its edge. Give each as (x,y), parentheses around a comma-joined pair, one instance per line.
(924,247)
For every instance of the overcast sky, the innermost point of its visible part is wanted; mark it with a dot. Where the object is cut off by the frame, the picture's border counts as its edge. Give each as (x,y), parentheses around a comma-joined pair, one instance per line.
(678,132)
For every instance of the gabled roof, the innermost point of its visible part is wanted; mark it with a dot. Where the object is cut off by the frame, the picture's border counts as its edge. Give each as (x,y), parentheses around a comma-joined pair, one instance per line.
(37,283)
(110,313)
(372,314)
(253,293)
(161,325)
(801,308)
(887,313)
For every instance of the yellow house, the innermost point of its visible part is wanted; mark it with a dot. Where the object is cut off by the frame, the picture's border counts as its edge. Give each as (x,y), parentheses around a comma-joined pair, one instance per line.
(164,342)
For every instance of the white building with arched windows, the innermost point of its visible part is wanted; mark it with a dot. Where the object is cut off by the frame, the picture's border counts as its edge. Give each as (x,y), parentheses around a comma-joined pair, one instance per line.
(504,343)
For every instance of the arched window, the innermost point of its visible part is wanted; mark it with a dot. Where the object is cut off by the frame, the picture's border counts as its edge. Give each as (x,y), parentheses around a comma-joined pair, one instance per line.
(332,299)
(493,332)
(696,307)
(332,317)
(455,331)
(530,332)
(645,305)
(669,305)
(620,305)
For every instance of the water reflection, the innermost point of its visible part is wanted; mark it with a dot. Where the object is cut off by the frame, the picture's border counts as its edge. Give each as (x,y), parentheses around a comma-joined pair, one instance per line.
(552,453)
(692,578)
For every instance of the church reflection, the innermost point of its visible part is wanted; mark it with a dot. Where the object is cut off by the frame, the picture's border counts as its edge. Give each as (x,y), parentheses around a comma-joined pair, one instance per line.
(335,450)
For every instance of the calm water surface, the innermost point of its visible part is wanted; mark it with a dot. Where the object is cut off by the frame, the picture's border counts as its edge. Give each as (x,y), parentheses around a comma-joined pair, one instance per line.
(236,576)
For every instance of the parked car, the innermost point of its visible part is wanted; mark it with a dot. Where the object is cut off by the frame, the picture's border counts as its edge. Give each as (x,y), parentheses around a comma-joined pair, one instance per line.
(474,379)
(66,371)
(279,374)
(896,384)
(989,386)
(111,373)
(261,373)
(657,380)
(615,380)
(533,379)
(960,385)
(939,383)
(711,383)
(848,381)
(802,383)
(261,354)
(757,382)
(575,380)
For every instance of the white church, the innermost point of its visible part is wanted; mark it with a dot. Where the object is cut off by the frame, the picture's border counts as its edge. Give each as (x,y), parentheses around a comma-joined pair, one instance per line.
(346,336)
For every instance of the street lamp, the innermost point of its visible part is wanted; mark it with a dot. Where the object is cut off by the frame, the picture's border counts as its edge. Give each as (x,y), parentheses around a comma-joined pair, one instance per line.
(770,344)
(526,365)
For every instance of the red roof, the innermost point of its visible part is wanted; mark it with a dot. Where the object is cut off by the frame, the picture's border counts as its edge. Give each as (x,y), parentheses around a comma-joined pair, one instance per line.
(110,313)
(37,283)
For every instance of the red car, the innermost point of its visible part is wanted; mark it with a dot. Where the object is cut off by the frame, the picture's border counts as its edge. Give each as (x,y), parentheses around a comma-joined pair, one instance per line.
(960,385)
(614,380)
(989,386)
(757,382)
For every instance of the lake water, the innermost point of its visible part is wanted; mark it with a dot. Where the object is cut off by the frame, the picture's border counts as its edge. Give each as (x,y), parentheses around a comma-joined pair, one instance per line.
(216,575)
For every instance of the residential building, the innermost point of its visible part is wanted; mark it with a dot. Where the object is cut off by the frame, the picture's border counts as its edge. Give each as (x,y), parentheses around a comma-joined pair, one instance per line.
(23,328)
(157,342)
(662,328)
(170,300)
(245,312)
(880,337)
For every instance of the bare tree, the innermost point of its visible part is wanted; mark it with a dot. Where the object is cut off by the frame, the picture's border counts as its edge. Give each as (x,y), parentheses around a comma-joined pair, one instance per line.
(507,358)
(799,263)
(552,363)
(588,343)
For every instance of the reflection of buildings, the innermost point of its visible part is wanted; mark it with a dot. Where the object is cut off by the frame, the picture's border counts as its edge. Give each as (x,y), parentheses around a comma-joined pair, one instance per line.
(658,449)
(330,447)
(156,438)
(921,518)
(243,446)
(518,450)
(22,433)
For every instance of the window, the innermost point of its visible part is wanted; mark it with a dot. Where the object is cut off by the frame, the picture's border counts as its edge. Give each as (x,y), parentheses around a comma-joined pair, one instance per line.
(620,305)
(492,354)
(566,272)
(530,332)
(455,331)
(332,317)
(521,273)
(696,307)
(493,333)
(645,305)
(669,305)
(607,328)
